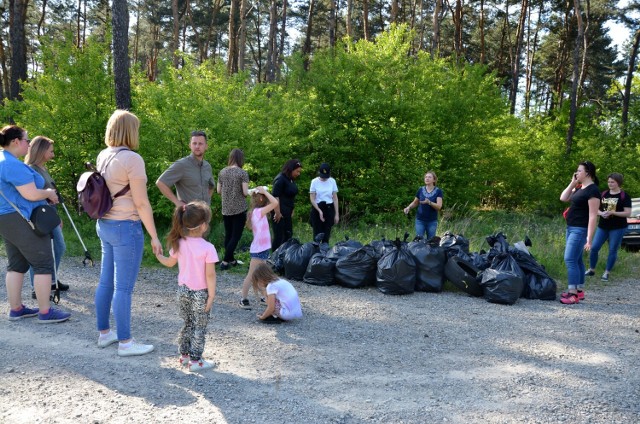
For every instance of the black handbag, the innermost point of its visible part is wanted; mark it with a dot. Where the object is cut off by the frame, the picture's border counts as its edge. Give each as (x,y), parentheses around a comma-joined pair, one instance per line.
(44,219)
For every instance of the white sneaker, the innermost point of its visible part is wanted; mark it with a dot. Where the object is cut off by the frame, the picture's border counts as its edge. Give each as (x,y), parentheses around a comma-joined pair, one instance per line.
(136,349)
(107,339)
(199,366)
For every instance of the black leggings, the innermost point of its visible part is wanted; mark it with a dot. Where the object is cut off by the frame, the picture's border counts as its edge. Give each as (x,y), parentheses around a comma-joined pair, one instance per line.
(233,227)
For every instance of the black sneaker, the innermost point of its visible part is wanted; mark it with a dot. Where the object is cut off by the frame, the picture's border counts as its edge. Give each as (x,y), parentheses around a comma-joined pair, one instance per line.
(223,266)
(272,320)
(589,273)
(263,300)
(244,304)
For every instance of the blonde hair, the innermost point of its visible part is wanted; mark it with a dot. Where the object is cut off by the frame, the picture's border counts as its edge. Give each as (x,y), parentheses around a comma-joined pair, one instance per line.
(122,130)
(37,149)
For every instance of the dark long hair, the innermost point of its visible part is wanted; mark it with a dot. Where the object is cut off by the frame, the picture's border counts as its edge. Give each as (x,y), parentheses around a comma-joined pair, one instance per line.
(185,219)
(9,133)
(236,157)
(590,168)
(290,166)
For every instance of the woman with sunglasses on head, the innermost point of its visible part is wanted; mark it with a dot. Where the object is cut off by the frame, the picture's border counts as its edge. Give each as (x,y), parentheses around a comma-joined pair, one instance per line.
(41,152)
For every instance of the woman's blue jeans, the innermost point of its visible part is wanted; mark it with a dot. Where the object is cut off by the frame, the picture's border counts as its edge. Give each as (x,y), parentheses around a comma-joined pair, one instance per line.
(59,247)
(423,227)
(122,246)
(576,239)
(615,240)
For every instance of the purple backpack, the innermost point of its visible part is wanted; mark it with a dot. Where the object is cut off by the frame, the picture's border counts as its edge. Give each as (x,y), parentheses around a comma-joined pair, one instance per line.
(94,196)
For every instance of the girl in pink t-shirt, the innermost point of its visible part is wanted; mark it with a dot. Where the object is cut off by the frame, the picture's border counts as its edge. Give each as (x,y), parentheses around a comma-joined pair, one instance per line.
(262,202)
(196,259)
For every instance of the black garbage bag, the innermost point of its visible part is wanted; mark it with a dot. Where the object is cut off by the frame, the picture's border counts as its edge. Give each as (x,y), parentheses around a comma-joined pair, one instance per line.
(449,240)
(501,286)
(381,247)
(297,258)
(506,262)
(320,270)
(357,269)
(480,260)
(538,284)
(463,274)
(396,271)
(498,241)
(276,260)
(430,261)
(343,248)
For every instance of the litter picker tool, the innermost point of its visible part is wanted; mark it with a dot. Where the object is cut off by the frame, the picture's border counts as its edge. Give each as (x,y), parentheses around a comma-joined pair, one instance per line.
(87,256)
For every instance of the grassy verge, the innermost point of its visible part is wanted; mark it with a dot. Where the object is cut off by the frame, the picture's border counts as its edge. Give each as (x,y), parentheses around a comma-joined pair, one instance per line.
(547,235)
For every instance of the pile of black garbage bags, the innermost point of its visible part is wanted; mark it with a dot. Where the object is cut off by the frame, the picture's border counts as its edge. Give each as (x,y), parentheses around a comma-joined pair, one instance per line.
(502,275)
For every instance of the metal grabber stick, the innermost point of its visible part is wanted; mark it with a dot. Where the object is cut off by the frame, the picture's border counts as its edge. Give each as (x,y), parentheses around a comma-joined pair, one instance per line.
(87,255)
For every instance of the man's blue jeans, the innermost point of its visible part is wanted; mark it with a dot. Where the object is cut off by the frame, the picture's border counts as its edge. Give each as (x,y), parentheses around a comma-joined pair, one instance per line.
(576,239)
(615,240)
(122,246)
(59,247)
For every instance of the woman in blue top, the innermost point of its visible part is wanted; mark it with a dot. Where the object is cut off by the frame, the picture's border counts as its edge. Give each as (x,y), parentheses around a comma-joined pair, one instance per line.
(22,187)
(429,202)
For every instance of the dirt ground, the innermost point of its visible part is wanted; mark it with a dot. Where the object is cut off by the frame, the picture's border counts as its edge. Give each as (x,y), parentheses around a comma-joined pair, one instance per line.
(357,356)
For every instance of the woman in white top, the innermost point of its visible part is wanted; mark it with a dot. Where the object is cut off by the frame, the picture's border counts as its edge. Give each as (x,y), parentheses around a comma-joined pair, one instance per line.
(323,194)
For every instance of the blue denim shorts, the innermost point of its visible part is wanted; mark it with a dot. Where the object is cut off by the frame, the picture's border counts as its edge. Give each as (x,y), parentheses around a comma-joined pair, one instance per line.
(264,255)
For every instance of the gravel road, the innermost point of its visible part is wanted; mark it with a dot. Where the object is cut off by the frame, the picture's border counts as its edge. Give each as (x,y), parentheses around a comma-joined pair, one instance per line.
(358,356)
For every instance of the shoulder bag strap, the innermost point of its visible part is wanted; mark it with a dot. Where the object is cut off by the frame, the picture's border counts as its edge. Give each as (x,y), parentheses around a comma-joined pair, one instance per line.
(126,188)
(18,210)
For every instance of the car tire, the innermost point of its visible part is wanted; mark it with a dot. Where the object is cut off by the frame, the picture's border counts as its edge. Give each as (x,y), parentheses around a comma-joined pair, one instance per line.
(463,274)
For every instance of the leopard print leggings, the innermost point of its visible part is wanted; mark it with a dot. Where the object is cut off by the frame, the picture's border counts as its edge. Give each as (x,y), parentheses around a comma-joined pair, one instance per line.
(192,334)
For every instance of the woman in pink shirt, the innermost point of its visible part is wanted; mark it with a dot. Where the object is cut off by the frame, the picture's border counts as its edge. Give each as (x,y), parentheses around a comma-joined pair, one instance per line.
(262,202)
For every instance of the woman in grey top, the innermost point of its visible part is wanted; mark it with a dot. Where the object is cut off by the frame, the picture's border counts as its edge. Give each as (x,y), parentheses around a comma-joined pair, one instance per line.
(233,187)
(41,152)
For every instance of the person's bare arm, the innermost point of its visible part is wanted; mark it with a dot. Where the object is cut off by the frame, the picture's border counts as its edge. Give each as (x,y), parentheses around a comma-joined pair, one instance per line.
(210,271)
(33,194)
(271,307)
(412,205)
(336,218)
(273,202)
(594,205)
(166,261)
(168,193)
(141,202)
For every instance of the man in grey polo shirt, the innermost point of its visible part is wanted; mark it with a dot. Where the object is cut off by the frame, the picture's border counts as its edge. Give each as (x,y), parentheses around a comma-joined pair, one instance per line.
(192,175)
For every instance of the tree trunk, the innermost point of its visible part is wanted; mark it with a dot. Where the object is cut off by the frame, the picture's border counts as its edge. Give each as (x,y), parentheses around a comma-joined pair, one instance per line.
(175,33)
(283,33)
(43,14)
(532,49)
(573,110)
(627,85)
(332,23)
(482,43)
(272,50)
(349,19)
(232,61)
(306,49)
(394,12)
(242,38)
(515,65)
(120,22)
(457,20)
(17,20)
(435,40)
(365,18)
